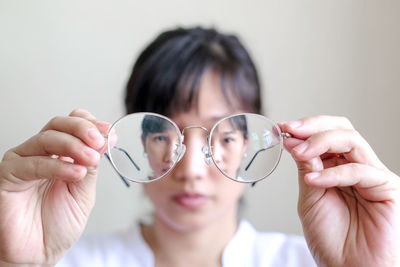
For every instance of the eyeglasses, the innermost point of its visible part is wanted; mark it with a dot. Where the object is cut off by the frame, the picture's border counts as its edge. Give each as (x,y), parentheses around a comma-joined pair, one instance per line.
(145,147)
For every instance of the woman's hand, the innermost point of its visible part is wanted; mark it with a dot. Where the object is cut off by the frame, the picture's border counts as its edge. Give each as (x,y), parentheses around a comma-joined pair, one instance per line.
(349,202)
(47,189)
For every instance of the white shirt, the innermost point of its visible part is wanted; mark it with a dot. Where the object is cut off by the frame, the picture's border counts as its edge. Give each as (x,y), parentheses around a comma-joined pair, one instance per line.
(247,248)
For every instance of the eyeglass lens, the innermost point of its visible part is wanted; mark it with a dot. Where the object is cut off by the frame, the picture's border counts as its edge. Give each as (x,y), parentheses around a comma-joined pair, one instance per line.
(245,147)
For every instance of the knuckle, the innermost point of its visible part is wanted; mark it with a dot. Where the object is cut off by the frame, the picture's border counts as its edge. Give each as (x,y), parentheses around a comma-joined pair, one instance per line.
(74,149)
(78,112)
(82,124)
(81,128)
(54,121)
(37,164)
(355,133)
(345,122)
(82,113)
(356,137)
(41,168)
(3,171)
(10,154)
(356,169)
(42,138)
(320,118)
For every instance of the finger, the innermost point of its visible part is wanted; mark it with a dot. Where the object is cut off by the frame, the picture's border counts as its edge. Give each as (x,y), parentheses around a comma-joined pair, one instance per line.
(347,142)
(83,113)
(103,127)
(52,142)
(41,167)
(79,127)
(304,128)
(290,143)
(308,195)
(372,183)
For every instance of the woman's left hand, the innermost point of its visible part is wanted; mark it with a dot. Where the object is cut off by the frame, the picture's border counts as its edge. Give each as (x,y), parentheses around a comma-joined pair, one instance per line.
(349,202)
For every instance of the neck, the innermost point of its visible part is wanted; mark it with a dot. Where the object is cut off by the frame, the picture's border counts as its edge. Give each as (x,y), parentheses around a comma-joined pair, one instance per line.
(198,247)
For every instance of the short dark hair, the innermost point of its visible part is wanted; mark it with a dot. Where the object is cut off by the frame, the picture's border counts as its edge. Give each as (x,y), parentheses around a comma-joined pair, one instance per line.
(167,73)
(154,124)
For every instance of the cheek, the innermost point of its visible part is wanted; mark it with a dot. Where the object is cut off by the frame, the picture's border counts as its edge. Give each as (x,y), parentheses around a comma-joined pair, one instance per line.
(230,191)
(154,192)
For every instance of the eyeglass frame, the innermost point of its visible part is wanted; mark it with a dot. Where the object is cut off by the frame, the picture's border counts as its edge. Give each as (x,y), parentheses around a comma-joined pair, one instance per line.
(208,154)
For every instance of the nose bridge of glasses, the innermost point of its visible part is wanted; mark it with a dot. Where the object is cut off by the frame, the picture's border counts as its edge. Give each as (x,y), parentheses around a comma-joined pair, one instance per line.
(205,149)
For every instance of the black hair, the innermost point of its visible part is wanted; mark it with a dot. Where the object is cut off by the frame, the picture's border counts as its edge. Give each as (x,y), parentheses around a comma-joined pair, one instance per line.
(167,73)
(240,123)
(154,124)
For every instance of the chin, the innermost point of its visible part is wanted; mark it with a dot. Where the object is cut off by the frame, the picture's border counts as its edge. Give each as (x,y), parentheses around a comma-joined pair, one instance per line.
(187,223)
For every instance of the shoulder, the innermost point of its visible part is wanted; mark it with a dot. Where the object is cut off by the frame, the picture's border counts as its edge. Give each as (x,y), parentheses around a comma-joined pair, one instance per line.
(254,248)
(115,249)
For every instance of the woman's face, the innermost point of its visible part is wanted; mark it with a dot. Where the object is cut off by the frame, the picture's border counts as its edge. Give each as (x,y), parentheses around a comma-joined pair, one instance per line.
(194,194)
(228,147)
(159,148)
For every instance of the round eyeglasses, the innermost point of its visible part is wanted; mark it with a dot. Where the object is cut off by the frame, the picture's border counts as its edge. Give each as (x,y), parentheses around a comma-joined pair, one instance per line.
(144,147)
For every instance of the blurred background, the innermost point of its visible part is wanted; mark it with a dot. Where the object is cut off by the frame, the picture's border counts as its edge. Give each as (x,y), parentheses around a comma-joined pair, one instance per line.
(314,57)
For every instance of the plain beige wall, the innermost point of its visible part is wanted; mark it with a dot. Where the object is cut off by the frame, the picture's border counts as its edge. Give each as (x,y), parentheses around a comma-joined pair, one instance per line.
(314,57)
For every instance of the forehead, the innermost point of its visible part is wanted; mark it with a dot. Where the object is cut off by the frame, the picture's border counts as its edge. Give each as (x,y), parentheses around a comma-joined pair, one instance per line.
(211,103)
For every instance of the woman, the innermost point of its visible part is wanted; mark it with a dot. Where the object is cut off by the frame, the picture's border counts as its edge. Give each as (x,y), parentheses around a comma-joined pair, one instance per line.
(348,200)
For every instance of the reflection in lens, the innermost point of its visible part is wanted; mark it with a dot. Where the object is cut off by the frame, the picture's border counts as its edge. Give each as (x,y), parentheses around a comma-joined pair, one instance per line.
(159,140)
(146,147)
(246,147)
(229,141)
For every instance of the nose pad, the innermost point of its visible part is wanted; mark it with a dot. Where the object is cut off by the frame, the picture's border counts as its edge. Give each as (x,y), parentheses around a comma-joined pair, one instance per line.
(181,149)
(207,154)
(179,152)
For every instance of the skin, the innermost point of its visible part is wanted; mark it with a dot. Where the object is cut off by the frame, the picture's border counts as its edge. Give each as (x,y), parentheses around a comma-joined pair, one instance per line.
(159,148)
(45,201)
(228,148)
(179,226)
(348,200)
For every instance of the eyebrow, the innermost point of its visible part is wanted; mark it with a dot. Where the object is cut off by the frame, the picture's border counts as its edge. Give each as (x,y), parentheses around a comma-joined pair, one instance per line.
(229,132)
(214,119)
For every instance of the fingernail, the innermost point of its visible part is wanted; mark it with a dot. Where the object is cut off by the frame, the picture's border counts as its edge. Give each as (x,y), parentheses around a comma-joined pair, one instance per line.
(95,135)
(294,124)
(301,148)
(312,175)
(103,124)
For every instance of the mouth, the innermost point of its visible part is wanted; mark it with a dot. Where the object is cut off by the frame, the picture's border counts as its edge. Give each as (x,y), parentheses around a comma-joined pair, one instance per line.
(192,201)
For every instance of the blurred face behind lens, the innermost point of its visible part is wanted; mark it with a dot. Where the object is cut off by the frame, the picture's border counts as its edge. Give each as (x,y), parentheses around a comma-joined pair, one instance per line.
(229,142)
(160,149)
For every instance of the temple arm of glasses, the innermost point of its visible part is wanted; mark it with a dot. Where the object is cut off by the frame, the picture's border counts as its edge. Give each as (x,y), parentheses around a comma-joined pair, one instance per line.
(255,155)
(129,157)
(284,135)
(122,177)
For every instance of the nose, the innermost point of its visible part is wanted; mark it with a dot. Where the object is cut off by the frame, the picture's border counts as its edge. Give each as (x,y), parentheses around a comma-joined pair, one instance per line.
(168,154)
(192,166)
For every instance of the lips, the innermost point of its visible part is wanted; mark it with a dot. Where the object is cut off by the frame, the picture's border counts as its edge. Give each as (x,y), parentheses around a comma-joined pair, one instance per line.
(190,201)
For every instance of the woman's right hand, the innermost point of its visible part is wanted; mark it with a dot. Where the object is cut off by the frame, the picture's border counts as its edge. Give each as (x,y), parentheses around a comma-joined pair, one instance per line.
(47,189)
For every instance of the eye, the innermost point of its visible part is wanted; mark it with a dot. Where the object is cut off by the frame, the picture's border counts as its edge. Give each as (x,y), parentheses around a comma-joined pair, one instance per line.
(159,138)
(228,140)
